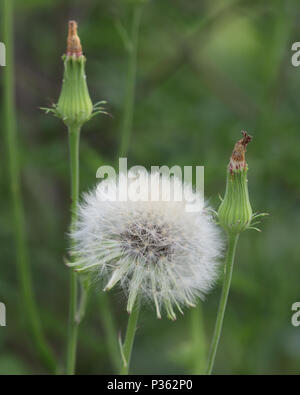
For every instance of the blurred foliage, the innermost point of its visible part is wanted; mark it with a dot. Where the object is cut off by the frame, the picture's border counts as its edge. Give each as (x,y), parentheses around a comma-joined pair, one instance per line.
(206,70)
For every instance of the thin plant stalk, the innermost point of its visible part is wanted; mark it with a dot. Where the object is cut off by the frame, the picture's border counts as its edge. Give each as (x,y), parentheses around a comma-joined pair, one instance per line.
(110,330)
(131,44)
(74,138)
(75,107)
(235,215)
(232,243)
(129,339)
(198,340)
(22,256)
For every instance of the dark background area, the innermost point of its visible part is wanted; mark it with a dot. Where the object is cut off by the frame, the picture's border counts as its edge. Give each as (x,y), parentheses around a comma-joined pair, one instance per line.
(206,70)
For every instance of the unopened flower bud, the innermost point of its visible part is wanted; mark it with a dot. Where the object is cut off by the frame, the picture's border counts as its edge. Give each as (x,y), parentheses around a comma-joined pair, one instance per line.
(235,212)
(74,106)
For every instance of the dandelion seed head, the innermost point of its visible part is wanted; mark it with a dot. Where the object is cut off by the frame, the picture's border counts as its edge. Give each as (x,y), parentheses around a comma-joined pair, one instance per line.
(155,249)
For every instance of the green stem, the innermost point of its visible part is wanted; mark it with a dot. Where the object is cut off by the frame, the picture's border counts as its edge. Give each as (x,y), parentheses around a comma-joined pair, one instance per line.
(110,330)
(126,127)
(198,340)
(74,138)
(10,129)
(232,243)
(129,339)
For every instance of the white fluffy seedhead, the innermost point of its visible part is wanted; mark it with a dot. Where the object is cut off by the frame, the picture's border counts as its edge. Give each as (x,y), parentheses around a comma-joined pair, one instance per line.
(155,249)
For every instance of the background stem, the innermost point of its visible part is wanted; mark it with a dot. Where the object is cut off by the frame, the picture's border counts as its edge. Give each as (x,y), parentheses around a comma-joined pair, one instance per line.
(126,126)
(110,330)
(10,130)
(232,242)
(74,138)
(198,339)
(129,339)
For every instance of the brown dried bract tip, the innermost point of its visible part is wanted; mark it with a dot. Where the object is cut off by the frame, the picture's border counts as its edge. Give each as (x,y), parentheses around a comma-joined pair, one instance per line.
(73,42)
(237,160)
(246,139)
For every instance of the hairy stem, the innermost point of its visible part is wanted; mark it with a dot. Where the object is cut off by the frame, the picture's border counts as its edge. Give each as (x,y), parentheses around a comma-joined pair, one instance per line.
(126,126)
(129,339)
(10,131)
(74,138)
(232,243)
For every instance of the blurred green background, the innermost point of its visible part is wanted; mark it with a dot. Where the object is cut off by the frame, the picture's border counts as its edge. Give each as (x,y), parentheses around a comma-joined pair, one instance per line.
(206,70)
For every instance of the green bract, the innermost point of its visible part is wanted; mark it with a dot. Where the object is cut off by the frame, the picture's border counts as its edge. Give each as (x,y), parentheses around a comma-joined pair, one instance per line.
(235,212)
(74,106)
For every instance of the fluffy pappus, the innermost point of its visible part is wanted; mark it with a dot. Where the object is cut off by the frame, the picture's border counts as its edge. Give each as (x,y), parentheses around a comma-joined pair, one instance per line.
(156,249)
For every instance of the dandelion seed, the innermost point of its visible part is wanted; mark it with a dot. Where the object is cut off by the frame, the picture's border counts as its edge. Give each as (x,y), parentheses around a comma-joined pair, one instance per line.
(154,249)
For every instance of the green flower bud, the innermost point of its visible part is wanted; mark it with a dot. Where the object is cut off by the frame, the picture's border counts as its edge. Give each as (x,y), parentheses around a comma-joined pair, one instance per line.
(235,212)
(74,106)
